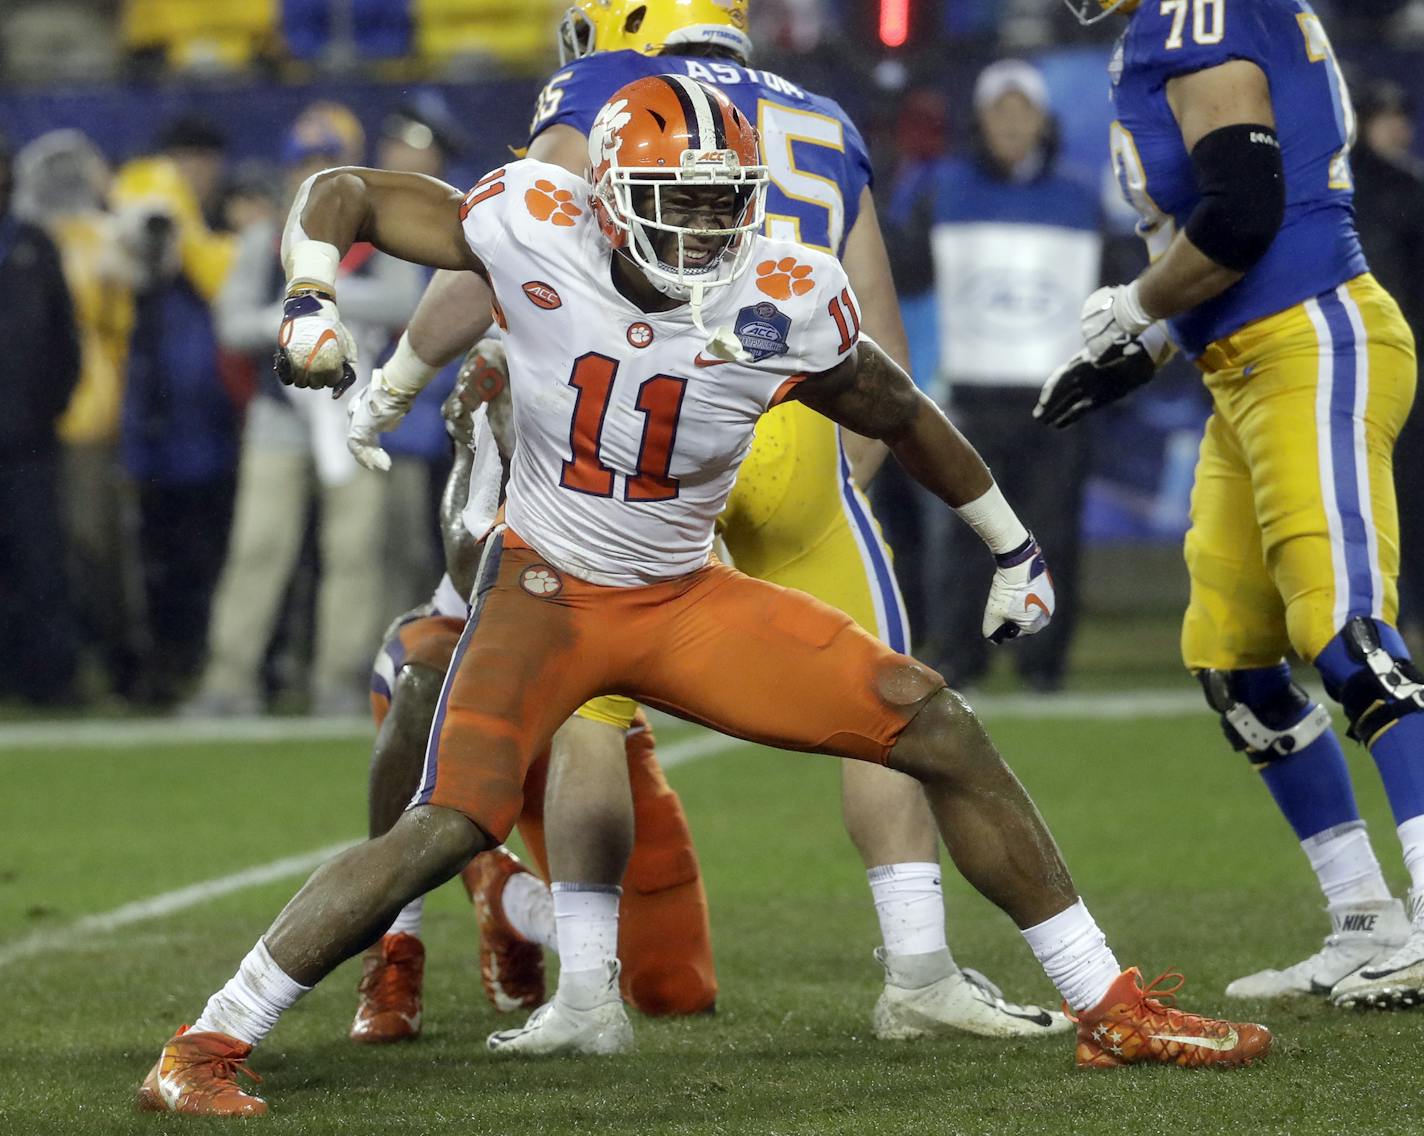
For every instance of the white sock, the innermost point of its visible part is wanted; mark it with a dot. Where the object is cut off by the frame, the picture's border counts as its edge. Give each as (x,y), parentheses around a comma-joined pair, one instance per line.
(410,917)
(249,1005)
(1345,864)
(586,916)
(909,900)
(1411,835)
(529,908)
(1074,954)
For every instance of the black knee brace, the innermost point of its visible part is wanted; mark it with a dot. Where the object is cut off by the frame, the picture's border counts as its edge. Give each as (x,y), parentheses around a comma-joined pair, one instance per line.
(1266,726)
(1381,690)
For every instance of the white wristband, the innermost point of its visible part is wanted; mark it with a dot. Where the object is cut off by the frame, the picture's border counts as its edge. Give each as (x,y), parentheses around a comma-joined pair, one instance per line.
(995,521)
(405,372)
(314,261)
(1128,310)
(1157,342)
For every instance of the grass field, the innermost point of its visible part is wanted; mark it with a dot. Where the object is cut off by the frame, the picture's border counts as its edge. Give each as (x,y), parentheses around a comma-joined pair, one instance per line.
(1174,845)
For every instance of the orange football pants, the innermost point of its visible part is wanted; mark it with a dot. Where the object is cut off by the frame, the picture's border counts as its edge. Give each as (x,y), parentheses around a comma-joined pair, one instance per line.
(664,936)
(746,657)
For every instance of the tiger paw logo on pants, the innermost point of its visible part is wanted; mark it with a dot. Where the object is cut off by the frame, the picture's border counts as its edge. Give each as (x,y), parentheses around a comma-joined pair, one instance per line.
(541,580)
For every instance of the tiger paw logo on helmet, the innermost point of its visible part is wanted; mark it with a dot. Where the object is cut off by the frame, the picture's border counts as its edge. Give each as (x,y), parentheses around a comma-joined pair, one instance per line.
(546,202)
(605,137)
(784,278)
(541,580)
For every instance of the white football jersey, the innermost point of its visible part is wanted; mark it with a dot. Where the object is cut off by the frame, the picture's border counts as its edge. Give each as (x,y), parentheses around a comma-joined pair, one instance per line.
(629,433)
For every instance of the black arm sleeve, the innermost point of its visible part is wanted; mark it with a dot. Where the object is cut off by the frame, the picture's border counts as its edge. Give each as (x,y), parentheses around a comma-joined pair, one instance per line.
(1243,187)
(62,336)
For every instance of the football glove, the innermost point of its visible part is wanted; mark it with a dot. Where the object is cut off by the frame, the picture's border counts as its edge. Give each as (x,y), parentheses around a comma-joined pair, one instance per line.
(314,349)
(1110,317)
(1021,597)
(483,377)
(1081,385)
(374,410)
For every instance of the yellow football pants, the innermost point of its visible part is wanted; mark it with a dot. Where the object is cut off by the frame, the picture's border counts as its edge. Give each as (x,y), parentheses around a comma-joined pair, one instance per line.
(1294,527)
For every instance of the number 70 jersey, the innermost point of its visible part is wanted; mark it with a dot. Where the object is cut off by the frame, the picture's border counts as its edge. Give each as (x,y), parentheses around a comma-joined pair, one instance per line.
(817,158)
(629,433)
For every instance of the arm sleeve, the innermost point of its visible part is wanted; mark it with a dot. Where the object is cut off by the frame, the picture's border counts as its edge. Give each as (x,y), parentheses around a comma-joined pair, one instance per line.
(824,326)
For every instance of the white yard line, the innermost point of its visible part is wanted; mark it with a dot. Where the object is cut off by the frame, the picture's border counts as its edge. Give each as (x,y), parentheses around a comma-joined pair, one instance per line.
(704,744)
(167,903)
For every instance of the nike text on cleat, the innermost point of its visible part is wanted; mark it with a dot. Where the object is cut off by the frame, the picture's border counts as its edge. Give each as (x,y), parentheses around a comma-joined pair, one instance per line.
(511,967)
(196,1074)
(1361,934)
(391,979)
(963,1002)
(1394,981)
(561,1028)
(1131,1026)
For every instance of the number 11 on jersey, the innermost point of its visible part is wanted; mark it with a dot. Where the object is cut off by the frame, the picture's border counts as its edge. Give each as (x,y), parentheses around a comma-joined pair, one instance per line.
(659,399)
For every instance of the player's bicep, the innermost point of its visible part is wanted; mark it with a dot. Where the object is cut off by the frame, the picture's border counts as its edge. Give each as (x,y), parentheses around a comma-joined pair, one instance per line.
(561,145)
(867,392)
(1230,94)
(420,218)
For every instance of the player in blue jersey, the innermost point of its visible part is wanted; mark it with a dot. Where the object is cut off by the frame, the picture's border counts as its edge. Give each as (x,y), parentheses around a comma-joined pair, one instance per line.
(1232,140)
(796,516)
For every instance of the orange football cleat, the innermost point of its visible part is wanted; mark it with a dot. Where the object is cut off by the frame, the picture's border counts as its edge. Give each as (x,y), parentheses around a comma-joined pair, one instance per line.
(511,967)
(1130,1027)
(389,1009)
(197,1073)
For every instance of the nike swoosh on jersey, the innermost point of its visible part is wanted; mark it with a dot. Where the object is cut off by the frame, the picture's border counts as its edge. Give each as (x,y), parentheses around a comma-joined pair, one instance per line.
(706,361)
(1220,1044)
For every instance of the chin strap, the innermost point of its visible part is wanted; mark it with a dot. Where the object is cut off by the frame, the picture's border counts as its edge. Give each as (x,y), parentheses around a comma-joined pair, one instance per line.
(723,343)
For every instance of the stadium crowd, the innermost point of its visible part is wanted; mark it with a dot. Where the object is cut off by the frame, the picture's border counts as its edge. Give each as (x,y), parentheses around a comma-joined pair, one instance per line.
(157,550)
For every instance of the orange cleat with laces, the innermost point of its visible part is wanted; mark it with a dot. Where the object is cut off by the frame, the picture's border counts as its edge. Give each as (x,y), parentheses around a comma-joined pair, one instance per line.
(1135,1024)
(391,981)
(197,1074)
(511,967)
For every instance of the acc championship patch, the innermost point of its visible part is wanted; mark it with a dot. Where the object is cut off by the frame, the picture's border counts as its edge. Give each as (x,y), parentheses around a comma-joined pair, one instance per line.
(762,330)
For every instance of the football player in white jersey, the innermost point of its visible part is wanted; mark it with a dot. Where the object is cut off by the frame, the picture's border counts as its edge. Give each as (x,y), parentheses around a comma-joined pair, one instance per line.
(794,518)
(642,353)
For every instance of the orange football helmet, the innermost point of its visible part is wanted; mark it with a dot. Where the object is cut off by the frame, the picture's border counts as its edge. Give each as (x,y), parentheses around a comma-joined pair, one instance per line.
(668,131)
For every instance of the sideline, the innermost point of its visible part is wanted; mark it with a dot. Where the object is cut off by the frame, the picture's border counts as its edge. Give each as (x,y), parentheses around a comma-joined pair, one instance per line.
(194,895)
(130,733)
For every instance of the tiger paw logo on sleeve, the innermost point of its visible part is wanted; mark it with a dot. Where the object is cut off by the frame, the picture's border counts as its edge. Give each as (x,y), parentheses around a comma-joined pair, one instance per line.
(546,202)
(784,278)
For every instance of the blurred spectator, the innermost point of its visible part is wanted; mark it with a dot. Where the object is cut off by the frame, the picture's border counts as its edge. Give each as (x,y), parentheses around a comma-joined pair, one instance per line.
(1389,212)
(294,453)
(906,214)
(38,369)
(419,136)
(178,437)
(61,183)
(1017,245)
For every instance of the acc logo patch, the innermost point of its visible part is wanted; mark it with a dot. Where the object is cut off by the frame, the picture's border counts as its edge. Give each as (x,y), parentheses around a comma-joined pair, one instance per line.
(639,334)
(542,295)
(762,329)
(541,580)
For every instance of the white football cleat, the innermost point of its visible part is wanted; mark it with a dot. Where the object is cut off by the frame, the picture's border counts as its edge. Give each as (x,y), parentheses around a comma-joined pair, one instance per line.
(1395,982)
(962,1002)
(583,1018)
(1360,934)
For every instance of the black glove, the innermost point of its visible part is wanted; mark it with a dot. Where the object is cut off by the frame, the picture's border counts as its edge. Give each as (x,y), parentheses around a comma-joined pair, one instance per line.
(1080,385)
